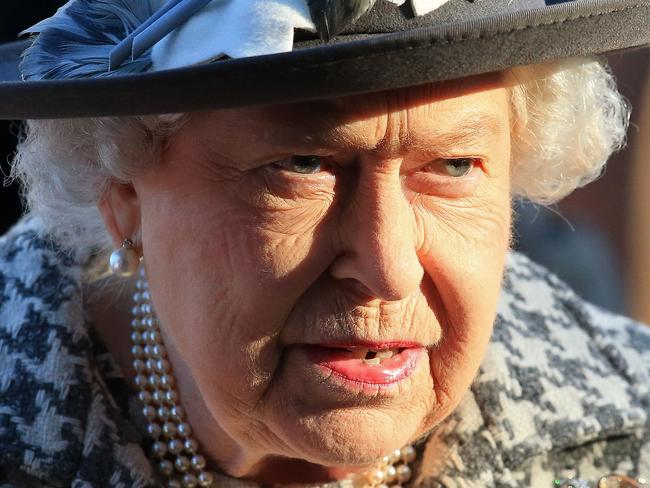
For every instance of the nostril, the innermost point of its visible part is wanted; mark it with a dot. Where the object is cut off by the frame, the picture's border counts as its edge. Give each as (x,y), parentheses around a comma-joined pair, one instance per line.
(357,290)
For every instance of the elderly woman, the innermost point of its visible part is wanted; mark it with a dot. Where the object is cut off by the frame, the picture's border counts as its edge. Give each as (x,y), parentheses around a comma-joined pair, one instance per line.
(312,283)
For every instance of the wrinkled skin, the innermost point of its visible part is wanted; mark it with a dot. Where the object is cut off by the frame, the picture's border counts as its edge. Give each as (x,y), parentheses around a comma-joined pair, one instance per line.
(247,257)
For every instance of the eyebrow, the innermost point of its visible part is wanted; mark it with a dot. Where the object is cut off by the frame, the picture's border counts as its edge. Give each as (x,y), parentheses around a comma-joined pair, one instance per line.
(475,128)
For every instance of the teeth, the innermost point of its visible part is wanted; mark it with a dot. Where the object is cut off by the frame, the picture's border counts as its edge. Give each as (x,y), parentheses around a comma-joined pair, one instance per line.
(375,356)
(373,361)
(385,354)
(359,353)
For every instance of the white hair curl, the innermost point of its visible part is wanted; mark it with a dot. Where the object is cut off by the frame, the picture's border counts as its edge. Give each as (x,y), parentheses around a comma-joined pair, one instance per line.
(568,119)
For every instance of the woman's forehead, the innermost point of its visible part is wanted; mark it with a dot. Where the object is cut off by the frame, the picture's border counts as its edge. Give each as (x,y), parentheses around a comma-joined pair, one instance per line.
(377,103)
(443,114)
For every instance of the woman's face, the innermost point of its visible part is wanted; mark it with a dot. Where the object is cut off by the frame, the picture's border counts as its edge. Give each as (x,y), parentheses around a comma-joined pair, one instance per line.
(282,243)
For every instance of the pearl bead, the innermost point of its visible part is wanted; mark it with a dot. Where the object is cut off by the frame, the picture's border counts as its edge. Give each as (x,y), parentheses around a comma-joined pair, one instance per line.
(124,262)
(137,297)
(174,484)
(165,467)
(198,462)
(154,380)
(175,446)
(153,338)
(167,380)
(146,350)
(149,412)
(177,412)
(391,473)
(205,479)
(163,413)
(190,481)
(136,337)
(403,473)
(151,366)
(159,449)
(169,429)
(146,309)
(163,366)
(158,397)
(171,396)
(376,476)
(140,380)
(182,464)
(145,295)
(394,456)
(136,324)
(137,352)
(137,311)
(184,429)
(154,430)
(139,366)
(140,285)
(158,351)
(191,445)
(408,454)
(149,323)
(144,396)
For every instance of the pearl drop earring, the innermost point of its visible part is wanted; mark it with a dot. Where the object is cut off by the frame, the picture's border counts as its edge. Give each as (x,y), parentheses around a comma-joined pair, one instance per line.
(125,260)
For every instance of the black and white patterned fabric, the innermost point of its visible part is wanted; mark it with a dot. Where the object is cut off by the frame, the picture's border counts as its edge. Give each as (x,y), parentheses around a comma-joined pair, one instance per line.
(564,390)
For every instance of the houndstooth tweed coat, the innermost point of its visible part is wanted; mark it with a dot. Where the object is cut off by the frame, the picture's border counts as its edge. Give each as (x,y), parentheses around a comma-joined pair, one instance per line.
(563,391)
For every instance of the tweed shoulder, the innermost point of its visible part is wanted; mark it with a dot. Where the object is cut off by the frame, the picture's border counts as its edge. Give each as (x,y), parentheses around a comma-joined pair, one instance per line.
(564,388)
(59,424)
(563,392)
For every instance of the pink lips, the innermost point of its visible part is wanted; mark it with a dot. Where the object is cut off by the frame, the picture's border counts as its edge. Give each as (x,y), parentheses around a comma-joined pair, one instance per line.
(388,371)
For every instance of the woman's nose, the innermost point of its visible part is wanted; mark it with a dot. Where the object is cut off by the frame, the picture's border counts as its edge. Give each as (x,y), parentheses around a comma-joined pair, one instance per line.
(378,234)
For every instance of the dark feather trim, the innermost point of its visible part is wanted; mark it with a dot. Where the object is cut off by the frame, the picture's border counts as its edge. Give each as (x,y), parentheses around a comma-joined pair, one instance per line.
(77,40)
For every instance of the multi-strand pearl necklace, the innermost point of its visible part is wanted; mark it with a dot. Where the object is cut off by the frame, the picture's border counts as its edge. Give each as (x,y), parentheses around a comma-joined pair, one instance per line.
(174,449)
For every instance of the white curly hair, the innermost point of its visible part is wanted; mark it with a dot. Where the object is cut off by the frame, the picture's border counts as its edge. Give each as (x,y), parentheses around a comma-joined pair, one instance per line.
(568,119)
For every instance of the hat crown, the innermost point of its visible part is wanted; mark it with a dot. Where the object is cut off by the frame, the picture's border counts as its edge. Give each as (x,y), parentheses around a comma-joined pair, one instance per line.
(92,38)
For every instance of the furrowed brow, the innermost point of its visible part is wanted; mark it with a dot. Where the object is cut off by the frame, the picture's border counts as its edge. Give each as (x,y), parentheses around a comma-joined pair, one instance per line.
(475,129)
(324,135)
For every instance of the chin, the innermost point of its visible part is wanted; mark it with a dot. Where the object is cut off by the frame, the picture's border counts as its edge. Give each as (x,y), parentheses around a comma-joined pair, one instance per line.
(350,436)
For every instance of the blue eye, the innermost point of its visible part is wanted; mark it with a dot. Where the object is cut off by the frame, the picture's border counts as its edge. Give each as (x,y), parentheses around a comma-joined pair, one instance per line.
(458,167)
(302,164)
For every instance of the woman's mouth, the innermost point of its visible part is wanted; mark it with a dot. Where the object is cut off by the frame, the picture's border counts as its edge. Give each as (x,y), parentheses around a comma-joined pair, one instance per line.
(375,365)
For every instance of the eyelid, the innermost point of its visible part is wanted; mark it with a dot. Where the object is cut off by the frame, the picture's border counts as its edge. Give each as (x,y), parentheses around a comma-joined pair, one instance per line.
(285,163)
(441,160)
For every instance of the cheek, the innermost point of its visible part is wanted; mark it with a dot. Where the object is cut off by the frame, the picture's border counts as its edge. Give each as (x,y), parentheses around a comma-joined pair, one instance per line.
(463,254)
(233,271)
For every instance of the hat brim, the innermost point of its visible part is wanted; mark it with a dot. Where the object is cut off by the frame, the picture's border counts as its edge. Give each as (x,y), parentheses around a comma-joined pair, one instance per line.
(355,63)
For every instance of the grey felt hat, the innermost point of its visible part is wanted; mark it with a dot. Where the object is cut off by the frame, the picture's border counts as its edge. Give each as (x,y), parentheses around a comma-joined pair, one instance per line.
(380,46)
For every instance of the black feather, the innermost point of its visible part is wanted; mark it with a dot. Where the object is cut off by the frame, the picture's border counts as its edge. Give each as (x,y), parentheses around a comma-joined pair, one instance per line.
(333,16)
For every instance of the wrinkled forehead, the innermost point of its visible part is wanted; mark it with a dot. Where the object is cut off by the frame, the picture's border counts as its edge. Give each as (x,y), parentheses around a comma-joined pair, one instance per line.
(376,103)
(474,107)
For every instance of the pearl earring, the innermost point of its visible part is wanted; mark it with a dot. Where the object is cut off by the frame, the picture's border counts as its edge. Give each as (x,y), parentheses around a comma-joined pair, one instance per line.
(124,261)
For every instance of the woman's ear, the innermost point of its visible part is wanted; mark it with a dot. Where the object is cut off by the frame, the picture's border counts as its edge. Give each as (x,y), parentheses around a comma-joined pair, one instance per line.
(120,209)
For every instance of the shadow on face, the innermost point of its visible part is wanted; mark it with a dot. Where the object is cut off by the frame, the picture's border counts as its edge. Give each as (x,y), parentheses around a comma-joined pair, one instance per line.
(278,237)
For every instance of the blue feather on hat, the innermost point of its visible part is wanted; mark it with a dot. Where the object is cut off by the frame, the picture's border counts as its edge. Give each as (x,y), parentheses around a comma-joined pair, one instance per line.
(77,40)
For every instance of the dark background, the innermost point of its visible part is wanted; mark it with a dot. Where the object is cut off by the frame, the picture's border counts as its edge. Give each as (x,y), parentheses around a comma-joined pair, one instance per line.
(16,16)
(585,239)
